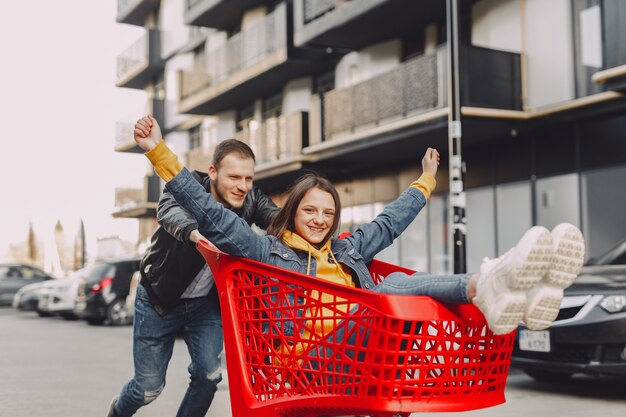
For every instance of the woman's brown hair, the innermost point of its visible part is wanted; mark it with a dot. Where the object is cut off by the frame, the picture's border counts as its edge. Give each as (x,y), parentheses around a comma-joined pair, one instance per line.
(284,220)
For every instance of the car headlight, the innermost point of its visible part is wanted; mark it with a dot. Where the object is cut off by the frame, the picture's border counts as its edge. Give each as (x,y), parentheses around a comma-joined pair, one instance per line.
(614,303)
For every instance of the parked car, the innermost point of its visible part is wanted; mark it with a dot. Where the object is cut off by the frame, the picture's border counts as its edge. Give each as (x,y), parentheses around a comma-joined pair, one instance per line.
(58,297)
(14,276)
(102,294)
(27,297)
(589,334)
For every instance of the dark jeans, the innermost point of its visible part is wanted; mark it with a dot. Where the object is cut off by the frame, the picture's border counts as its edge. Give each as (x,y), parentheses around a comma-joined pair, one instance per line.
(153,343)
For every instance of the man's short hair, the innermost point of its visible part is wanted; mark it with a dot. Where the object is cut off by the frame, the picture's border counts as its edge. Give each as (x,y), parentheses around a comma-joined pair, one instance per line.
(229,146)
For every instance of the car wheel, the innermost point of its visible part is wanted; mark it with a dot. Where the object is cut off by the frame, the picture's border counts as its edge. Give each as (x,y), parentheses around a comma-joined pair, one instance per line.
(548,376)
(117,313)
(43,313)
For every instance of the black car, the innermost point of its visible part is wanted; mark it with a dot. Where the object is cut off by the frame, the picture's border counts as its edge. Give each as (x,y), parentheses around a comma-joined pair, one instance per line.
(102,295)
(589,334)
(14,276)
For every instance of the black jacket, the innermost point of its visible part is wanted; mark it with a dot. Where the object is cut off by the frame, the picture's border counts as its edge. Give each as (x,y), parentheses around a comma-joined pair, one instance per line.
(172,261)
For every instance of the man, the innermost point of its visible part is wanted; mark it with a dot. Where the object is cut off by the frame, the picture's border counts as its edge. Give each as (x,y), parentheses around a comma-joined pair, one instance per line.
(176,292)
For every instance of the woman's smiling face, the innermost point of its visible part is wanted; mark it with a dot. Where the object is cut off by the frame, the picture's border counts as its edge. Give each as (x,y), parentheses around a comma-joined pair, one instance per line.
(315,216)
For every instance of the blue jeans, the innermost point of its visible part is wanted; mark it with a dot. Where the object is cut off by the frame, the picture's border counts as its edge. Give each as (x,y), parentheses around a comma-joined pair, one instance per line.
(444,288)
(153,343)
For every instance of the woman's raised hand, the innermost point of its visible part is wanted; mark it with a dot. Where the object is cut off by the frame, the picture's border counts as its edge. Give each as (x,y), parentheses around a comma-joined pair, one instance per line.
(430,161)
(147,133)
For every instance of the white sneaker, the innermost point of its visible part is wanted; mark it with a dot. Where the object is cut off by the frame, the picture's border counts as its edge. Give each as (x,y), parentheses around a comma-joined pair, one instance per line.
(544,299)
(502,284)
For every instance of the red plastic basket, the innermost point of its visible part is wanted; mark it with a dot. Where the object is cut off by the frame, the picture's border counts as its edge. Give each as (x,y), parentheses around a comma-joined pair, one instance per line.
(377,355)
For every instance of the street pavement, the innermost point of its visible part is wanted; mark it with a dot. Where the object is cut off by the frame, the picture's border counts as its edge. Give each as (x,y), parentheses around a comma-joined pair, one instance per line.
(50,367)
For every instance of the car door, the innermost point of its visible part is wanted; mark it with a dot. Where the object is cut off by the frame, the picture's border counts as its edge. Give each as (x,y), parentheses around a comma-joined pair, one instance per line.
(11,281)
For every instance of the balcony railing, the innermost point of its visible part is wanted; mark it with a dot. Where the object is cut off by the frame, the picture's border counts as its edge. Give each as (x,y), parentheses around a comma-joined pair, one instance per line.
(490,78)
(140,61)
(240,52)
(386,97)
(134,57)
(138,199)
(278,138)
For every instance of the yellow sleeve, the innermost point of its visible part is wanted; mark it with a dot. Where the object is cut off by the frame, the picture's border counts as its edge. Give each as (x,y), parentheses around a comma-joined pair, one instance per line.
(426,183)
(164,161)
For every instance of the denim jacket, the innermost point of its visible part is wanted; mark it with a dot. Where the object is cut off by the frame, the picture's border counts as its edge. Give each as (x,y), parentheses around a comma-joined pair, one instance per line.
(231,234)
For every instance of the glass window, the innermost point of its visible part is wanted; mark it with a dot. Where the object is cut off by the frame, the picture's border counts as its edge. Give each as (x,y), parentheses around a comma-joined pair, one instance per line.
(195,138)
(481,228)
(603,206)
(513,213)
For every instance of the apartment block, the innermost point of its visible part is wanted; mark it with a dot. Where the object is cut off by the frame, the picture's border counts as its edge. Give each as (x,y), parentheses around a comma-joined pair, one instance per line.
(357,89)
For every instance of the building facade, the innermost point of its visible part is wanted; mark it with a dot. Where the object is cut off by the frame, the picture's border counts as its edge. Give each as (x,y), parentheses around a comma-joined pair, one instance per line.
(356,90)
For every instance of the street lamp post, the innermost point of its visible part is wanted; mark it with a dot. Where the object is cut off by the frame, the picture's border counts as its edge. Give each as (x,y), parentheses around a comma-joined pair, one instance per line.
(456,165)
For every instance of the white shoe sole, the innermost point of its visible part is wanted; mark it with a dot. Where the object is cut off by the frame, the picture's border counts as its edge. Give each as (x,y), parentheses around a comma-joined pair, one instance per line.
(504,307)
(544,299)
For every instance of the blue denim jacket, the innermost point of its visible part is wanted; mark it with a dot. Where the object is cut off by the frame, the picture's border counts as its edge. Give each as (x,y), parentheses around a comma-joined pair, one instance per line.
(234,236)
(231,234)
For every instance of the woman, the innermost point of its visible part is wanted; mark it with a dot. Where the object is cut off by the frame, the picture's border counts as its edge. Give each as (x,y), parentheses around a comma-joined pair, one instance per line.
(525,283)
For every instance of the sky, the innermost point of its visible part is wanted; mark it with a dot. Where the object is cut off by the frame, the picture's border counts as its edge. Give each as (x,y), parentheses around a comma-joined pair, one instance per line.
(59,107)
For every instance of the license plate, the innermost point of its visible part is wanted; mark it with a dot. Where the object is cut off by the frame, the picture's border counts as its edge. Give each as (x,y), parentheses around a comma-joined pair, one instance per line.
(536,341)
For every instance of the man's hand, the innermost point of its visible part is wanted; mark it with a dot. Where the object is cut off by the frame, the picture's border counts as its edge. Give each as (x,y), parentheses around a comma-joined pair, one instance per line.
(195,236)
(430,161)
(147,133)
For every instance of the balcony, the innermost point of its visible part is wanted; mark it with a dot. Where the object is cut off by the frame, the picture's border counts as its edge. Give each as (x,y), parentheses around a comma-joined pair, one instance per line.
(219,14)
(381,118)
(141,62)
(138,202)
(124,141)
(277,143)
(347,24)
(135,12)
(254,63)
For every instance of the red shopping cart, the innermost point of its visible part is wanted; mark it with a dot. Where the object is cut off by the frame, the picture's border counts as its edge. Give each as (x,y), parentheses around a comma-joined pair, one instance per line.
(301,346)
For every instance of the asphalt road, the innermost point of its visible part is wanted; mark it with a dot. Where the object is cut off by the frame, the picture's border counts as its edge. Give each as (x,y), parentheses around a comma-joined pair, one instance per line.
(50,367)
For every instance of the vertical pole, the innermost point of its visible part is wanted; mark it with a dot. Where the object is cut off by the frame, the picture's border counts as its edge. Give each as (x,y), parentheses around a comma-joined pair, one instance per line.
(457,192)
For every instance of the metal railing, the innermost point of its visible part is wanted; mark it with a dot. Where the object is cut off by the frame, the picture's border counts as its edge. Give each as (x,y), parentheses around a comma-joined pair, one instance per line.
(240,52)
(134,57)
(413,87)
(490,78)
(277,138)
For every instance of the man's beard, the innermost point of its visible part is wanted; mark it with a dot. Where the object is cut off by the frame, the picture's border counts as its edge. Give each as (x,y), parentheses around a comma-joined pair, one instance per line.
(220,196)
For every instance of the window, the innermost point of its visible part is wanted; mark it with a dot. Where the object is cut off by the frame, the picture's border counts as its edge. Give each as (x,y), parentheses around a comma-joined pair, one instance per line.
(272,107)
(195,138)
